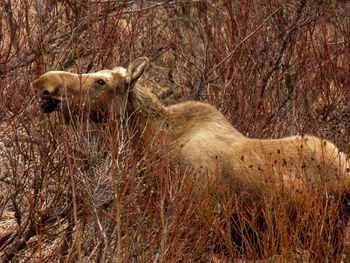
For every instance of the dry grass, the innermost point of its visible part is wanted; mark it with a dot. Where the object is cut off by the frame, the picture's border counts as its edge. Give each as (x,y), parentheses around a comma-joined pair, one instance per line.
(274,68)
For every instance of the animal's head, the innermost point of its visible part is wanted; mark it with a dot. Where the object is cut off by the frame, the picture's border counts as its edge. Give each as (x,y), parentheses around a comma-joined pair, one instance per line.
(93,92)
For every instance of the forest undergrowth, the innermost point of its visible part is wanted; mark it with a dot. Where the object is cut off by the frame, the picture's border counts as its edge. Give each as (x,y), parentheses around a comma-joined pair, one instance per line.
(273,68)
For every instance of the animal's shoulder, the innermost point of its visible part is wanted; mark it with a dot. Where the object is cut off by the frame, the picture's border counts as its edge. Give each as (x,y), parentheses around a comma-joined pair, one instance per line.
(200,121)
(193,110)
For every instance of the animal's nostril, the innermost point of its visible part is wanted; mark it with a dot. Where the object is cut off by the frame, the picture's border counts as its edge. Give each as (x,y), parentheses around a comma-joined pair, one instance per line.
(46,92)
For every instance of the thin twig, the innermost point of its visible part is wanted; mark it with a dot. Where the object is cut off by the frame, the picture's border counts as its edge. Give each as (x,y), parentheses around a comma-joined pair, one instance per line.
(277,62)
(242,42)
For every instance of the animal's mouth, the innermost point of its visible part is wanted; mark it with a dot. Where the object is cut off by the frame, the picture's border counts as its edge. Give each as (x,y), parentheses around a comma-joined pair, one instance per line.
(48,105)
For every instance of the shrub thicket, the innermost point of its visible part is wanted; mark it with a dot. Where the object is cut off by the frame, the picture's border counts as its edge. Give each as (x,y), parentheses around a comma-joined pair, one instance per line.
(274,68)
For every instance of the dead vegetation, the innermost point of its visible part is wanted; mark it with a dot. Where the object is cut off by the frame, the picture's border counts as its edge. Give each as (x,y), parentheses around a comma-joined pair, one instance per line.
(274,68)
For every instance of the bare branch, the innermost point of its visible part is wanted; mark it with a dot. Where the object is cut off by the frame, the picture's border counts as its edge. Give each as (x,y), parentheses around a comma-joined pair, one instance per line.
(277,61)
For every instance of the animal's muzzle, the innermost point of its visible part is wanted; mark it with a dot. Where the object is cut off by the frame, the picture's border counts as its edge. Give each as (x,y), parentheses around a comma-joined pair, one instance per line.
(49,105)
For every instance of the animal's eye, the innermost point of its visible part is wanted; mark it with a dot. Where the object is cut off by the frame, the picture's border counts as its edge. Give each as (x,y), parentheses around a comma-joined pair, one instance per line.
(101,82)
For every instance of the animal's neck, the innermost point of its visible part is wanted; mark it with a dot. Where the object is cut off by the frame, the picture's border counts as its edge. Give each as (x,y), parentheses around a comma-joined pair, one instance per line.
(146,111)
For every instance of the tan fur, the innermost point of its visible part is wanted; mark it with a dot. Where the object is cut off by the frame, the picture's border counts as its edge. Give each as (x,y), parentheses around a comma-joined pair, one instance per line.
(201,139)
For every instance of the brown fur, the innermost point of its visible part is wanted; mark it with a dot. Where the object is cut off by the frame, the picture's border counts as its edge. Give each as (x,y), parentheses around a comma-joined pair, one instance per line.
(199,137)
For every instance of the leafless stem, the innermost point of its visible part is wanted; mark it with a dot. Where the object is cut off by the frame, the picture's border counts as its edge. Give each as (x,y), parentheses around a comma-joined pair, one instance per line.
(277,61)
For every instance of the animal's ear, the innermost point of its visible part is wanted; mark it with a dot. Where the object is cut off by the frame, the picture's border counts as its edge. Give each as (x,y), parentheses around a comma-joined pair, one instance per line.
(135,70)
(33,85)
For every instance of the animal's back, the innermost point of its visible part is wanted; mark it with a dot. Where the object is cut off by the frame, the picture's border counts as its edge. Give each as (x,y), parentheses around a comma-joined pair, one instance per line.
(201,138)
(301,162)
